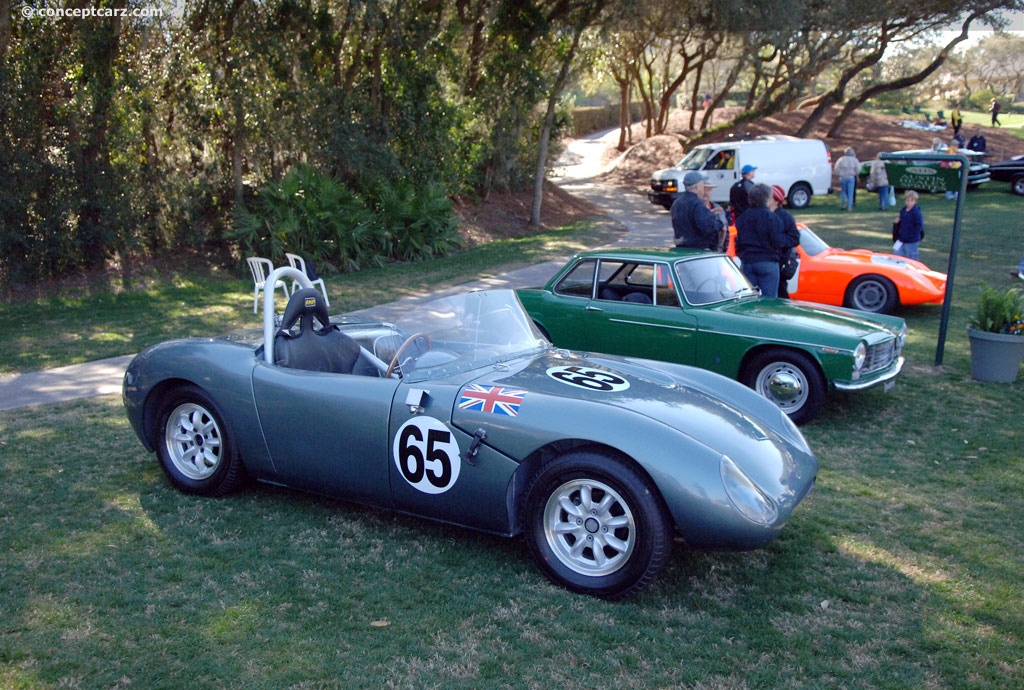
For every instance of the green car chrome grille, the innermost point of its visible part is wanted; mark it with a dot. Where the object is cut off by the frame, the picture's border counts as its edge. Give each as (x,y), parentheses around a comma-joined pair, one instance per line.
(879,356)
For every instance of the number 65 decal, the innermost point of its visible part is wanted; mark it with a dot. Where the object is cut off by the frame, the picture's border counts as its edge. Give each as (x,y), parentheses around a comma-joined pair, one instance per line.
(427,455)
(590,379)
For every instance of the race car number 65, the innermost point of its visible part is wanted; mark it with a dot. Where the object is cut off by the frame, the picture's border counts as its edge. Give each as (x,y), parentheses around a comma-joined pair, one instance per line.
(427,455)
(591,379)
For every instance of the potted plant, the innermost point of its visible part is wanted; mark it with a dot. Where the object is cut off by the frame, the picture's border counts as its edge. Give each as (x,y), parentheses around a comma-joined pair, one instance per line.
(996,333)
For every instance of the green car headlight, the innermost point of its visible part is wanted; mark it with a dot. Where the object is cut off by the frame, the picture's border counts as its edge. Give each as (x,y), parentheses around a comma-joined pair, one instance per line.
(860,355)
(744,494)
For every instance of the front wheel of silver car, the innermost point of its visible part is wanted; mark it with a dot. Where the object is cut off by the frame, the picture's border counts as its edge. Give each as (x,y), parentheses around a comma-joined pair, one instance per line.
(194,447)
(596,525)
(790,379)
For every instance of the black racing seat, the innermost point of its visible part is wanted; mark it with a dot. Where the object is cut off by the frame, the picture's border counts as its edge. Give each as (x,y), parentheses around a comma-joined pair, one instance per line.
(325,349)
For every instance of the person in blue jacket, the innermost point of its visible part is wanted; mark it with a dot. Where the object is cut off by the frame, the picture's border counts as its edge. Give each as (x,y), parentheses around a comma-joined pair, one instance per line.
(911,231)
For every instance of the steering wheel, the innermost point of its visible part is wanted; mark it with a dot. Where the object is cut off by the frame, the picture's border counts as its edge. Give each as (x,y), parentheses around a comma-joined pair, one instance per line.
(401,348)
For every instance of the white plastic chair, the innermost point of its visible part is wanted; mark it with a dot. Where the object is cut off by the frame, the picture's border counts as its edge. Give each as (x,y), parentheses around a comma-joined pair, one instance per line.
(298,262)
(260,269)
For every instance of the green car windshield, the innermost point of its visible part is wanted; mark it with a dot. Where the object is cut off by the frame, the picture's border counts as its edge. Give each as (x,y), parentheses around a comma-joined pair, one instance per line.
(712,278)
(468,331)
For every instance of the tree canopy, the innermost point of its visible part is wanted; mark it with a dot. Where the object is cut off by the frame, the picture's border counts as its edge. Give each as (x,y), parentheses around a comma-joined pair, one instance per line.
(134,130)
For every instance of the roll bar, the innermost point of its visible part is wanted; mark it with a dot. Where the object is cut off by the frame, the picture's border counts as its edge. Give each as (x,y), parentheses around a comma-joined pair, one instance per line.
(268,305)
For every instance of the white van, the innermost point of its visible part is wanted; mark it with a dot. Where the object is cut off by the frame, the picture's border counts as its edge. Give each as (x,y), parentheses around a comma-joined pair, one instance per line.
(802,167)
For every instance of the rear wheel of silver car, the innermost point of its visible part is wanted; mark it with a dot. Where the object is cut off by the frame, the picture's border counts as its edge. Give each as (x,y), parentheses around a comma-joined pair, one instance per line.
(194,448)
(872,293)
(789,378)
(1017,186)
(596,525)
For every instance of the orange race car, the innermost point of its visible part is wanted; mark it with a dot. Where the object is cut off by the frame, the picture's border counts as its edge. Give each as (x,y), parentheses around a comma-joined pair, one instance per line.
(858,278)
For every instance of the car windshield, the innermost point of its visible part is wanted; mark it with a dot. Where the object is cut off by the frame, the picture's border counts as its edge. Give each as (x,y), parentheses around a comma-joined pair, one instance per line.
(695,159)
(713,278)
(467,331)
(811,243)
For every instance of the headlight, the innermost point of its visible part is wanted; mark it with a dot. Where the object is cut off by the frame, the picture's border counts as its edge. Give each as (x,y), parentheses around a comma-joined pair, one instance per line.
(744,494)
(901,339)
(860,355)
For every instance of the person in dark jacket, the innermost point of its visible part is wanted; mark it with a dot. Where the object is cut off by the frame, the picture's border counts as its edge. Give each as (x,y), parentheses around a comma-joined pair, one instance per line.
(911,231)
(693,224)
(739,193)
(791,233)
(760,242)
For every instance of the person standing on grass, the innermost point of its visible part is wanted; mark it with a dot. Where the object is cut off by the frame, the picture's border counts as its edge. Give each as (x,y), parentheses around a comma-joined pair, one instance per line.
(760,242)
(994,108)
(911,230)
(879,181)
(788,258)
(847,168)
(739,193)
(957,120)
(693,224)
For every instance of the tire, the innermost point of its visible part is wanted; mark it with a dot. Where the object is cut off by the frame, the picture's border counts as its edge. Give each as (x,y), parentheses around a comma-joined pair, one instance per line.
(582,499)
(800,195)
(789,378)
(193,444)
(875,294)
(1017,185)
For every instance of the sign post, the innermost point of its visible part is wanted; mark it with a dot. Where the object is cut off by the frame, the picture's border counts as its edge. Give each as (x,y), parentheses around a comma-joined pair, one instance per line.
(954,242)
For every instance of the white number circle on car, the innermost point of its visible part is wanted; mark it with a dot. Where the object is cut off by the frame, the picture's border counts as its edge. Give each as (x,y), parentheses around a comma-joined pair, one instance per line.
(591,379)
(427,455)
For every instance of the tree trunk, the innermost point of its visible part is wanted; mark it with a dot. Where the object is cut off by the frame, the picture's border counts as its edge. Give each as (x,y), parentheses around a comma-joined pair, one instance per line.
(540,171)
(835,96)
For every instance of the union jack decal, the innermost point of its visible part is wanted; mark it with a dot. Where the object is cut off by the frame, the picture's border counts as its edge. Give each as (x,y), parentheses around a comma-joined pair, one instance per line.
(493,399)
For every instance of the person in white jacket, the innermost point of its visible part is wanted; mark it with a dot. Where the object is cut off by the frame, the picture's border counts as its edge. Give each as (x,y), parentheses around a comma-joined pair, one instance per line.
(847,169)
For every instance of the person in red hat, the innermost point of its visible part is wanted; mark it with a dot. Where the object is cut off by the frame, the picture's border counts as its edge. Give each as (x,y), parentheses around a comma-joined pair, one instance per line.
(788,261)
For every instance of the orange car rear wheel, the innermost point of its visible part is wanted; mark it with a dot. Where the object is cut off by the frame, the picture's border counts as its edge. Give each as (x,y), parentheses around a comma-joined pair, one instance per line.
(875,294)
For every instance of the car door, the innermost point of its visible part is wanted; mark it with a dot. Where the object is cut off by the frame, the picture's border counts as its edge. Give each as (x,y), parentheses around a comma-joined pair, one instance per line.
(326,432)
(722,170)
(637,312)
(442,471)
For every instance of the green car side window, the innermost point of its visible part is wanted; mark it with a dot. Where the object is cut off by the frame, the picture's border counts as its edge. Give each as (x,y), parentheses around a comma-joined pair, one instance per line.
(579,281)
(711,279)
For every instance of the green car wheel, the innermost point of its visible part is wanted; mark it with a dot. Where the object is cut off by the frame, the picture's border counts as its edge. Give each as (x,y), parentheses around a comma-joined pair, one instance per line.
(790,379)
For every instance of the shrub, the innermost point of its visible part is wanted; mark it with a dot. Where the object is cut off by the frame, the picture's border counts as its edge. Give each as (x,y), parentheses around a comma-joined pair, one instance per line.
(415,221)
(314,214)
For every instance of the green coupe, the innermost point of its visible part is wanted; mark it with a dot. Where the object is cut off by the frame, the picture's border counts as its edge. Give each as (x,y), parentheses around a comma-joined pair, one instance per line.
(696,307)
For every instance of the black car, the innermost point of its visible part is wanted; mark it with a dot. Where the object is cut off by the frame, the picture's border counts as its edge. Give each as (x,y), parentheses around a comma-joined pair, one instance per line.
(1011,171)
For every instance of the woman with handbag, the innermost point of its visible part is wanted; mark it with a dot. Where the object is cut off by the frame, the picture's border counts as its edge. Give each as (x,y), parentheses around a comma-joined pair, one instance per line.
(789,260)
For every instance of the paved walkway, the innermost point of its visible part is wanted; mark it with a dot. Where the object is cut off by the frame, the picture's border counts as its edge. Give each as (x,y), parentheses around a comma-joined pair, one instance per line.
(645,225)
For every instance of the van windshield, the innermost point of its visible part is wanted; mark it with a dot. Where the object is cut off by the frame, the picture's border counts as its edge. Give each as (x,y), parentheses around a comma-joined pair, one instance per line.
(695,159)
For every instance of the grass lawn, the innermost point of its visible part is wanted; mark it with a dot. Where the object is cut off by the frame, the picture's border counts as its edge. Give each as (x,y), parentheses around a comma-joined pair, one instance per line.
(902,570)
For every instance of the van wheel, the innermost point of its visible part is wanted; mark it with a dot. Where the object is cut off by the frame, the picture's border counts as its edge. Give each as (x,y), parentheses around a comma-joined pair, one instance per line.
(800,195)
